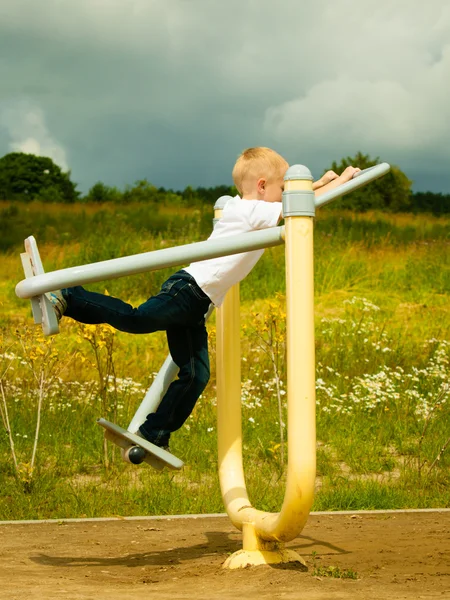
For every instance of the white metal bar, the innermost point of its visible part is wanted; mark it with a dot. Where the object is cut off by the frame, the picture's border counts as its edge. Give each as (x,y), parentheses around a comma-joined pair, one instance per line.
(158,388)
(149,261)
(154,394)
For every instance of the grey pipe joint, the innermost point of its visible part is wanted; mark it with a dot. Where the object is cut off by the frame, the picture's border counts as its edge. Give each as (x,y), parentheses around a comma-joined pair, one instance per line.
(298,203)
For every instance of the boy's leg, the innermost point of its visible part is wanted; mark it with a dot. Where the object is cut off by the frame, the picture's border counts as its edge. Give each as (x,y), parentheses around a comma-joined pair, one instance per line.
(189,350)
(93,308)
(174,305)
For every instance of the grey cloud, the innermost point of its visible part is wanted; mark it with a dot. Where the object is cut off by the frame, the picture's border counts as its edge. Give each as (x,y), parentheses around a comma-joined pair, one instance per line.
(173,90)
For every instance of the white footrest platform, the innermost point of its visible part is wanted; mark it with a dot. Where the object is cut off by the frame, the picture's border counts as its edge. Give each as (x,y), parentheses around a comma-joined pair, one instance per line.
(156,457)
(43,311)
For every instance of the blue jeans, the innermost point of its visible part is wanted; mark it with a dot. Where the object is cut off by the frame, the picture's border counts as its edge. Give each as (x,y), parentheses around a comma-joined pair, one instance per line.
(179,309)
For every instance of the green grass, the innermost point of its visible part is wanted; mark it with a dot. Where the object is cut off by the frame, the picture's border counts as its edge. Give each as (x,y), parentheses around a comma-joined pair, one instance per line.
(332,571)
(382,292)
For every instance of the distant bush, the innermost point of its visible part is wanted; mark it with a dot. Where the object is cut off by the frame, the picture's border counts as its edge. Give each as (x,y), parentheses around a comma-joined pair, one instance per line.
(206,195)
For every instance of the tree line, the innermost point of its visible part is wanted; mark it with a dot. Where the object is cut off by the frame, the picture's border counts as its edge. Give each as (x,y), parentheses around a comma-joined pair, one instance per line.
(26,177)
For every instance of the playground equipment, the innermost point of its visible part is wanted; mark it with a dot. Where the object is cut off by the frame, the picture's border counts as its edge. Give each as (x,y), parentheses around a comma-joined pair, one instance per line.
(264,534)
(137,450)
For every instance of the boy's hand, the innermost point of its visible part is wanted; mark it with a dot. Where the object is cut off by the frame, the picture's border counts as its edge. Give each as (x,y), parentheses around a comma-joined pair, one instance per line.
(330,180)
(348,174)
(329,176)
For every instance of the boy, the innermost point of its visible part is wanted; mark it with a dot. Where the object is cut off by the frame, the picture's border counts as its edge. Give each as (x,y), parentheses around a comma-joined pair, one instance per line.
(180,307)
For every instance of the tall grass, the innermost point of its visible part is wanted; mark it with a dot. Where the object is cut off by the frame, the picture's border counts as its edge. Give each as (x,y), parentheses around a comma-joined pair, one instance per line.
(382,346)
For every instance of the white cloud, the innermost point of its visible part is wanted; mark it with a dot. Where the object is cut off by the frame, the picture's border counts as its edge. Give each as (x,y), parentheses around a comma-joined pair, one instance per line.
(28,133)
(382,114)
(388,93)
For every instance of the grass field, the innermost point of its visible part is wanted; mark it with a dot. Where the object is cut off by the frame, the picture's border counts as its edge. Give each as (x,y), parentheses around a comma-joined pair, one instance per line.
(382,348)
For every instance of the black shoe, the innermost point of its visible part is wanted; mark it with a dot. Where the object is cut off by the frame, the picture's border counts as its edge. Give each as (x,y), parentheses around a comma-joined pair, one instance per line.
(163,446)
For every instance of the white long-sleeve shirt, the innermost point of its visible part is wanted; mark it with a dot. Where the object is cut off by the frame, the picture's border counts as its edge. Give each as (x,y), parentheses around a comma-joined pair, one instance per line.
(215,276)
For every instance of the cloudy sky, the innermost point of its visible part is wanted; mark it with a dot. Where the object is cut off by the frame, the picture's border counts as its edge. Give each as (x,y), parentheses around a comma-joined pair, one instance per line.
(173,90)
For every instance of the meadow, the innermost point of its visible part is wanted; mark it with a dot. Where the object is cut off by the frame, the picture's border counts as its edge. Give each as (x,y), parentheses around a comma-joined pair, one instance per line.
(382,287)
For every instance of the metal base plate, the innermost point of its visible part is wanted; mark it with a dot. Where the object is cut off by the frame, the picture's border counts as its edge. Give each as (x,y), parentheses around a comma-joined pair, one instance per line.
(252,558)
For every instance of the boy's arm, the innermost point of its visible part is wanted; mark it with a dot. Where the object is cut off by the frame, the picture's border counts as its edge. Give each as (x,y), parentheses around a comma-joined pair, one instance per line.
(325,179)
(331,180)
(328,182)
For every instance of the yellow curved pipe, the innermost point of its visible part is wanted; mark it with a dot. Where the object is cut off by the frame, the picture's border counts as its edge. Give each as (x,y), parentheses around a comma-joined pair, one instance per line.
(288,523)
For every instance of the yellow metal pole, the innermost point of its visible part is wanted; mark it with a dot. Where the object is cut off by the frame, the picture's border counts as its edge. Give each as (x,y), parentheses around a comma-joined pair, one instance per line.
(229,418)
(264,533)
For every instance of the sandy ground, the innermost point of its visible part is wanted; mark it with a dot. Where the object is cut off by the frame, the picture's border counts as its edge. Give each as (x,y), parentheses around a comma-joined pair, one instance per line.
(394,555)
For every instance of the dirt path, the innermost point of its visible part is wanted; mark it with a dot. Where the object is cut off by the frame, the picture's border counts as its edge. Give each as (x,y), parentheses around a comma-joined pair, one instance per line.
(394,555)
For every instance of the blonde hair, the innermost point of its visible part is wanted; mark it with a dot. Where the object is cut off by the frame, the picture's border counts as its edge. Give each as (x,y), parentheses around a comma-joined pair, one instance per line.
(255,163)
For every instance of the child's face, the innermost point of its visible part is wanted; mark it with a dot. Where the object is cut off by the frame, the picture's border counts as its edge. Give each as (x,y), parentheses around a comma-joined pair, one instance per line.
(273,191)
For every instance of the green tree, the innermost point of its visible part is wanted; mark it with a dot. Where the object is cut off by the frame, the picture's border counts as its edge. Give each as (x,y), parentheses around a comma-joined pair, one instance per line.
(29,177)
(391,192)
(436,203)
(143,191)
(100,192)
(207,195)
